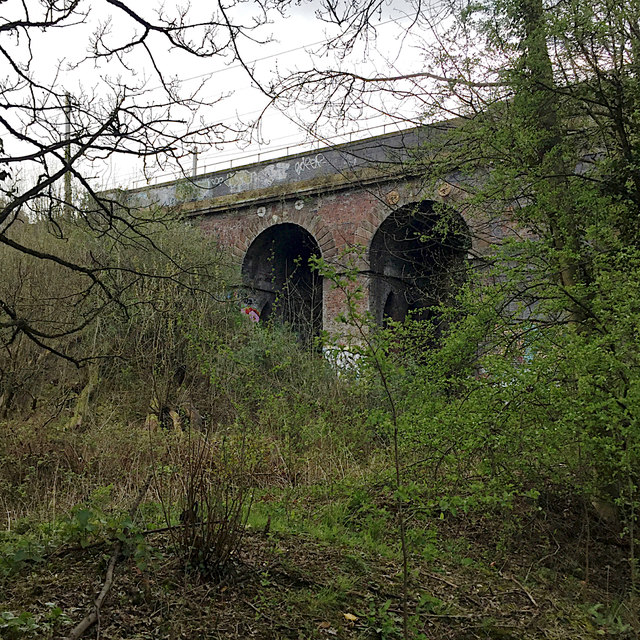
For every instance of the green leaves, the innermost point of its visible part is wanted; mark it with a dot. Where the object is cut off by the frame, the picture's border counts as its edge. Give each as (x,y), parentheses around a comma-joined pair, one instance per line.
(29,625)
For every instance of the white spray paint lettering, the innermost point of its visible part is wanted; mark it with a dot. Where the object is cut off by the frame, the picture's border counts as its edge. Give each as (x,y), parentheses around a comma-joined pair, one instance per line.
(217,181)
(313,162)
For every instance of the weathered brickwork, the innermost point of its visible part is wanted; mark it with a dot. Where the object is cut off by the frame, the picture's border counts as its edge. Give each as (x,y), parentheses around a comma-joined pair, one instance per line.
(340,196)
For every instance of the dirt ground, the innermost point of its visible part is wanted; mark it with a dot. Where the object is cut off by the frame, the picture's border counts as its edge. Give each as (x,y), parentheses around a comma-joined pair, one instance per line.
(285,586)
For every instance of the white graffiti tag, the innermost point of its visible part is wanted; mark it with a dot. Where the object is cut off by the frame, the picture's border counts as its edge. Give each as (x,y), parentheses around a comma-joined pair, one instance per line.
(216,181)
(314,162)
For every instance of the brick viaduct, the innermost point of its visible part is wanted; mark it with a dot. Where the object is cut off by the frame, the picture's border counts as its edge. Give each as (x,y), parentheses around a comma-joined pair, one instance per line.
(372,194)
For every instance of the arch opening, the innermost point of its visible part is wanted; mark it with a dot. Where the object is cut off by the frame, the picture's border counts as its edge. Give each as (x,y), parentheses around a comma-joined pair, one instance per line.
(283,286)
(417,261)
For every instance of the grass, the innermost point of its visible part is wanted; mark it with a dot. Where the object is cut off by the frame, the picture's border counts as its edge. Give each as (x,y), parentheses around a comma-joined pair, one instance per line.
(294,586)
(299,582)
(321,554)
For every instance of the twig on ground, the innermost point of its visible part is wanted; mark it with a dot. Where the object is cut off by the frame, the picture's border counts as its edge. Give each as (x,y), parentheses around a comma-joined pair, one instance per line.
(59,553)
(266,617)
(523,589)
(94,616)
(451,616)
(435,576)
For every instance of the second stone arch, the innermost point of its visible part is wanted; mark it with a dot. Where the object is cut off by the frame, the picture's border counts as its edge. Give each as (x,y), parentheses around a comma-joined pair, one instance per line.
(416,260)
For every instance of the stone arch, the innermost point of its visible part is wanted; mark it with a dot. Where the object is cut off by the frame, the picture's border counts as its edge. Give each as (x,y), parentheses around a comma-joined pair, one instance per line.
(282,285)
(416,258)
(410,194)
(308,220)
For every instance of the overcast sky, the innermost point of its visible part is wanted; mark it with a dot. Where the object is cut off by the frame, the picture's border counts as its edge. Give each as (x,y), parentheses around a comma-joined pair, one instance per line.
(294,44)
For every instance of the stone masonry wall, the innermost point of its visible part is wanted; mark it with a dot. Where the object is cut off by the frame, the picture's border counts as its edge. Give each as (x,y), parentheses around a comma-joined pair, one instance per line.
(339,195)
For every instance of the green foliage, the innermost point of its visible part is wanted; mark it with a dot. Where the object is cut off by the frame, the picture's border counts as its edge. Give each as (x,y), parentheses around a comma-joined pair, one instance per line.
(382,622)
(28,625)
(609,619)
(18,552)
(85,526)
(386,623)
(531,389)
(526,388)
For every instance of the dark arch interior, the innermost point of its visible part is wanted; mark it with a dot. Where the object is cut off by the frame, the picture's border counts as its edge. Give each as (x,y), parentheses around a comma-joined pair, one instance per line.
(416,261)
(283,286)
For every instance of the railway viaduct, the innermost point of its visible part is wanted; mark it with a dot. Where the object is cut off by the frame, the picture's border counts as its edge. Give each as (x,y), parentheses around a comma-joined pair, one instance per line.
(371,194)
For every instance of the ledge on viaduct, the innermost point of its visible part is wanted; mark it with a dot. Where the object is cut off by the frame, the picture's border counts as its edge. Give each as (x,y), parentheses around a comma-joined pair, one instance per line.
(372,194)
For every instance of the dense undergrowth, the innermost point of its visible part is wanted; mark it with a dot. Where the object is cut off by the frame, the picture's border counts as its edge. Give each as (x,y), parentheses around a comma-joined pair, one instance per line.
(251,448)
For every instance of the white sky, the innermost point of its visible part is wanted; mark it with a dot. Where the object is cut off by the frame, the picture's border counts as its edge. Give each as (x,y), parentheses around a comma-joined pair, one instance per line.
(294,45)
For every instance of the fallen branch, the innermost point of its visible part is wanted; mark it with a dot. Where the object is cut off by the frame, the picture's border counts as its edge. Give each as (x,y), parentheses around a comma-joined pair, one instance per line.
(94,616)
(522,588)
(64,551)
(450,616)
(434,576)
(531,598)
(270,619)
